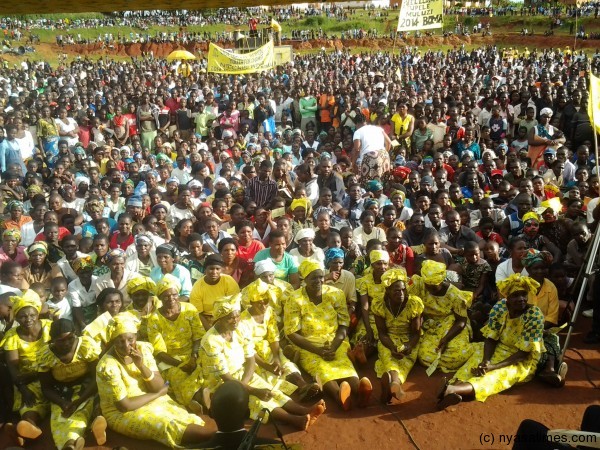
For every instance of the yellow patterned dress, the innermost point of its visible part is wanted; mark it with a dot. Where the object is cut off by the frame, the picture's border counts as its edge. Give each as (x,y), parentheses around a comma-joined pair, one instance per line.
(220,356)
(176,338)
(98,329)
(142,333)
(162,420)
(319,324)
(263,334)
(28,356)
(399,330)
(438,318)
(283,290)
(74,426)
(524,333)
(367,286)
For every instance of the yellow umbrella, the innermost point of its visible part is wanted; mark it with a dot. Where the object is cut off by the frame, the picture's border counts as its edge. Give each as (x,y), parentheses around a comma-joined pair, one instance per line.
(180,54)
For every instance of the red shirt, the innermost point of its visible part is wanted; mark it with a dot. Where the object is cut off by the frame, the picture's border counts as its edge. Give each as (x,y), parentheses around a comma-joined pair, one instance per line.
(123,246)
(62,233)
(492,237)
(247,253)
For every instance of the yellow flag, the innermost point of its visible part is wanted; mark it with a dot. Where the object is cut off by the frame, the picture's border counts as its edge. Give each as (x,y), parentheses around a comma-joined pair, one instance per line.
(594,102)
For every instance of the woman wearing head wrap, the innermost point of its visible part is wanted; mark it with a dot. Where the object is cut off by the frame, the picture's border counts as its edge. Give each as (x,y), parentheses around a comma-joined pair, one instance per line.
(81,292)
(306,249)
(543,136)
(142,291)
(22,345)
(511,351)
(118,277)
(316,322)
(445,321)
(532,237)
(96,210)
(141,257)
(301,209)
(228,354)
(11,250)
(133,393)
(175,331)
(68,379)
(555,229)
(340,278)
(260,323)
(39,269)
(213,286)
(398,320)
(166,256)
(369,288)
(17,219)
(545,297)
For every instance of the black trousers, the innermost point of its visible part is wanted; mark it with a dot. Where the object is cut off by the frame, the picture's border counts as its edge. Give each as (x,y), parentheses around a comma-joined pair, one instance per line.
(530,435)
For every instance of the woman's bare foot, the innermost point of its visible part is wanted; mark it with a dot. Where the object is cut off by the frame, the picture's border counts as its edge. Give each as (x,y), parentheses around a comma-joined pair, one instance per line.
(317,409)
(99,430)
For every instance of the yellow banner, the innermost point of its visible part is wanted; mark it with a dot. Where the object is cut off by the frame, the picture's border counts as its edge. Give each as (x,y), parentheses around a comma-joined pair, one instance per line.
(594,102)
(283,54)
(420,15)
(222,60)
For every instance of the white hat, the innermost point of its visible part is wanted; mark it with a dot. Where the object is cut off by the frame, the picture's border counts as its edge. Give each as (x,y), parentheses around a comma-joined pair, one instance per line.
(303,234)
(546,112)
(263,266)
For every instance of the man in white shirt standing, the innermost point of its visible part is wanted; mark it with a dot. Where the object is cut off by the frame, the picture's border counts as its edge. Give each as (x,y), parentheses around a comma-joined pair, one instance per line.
(370,156)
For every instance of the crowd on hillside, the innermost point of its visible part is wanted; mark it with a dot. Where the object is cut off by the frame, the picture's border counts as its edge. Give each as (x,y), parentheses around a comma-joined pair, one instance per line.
(166,231)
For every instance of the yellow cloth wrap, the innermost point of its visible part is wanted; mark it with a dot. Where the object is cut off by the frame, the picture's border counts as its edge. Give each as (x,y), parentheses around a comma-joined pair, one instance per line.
(379,255)
(141,283)
(29,299)
(515,283)
(307,267)
(393,275)
(301,202)
(400,193)
(12,233)
(167,282)
(122,323)
(41,246)
(553,203)
(261,291)
(531,216)
(226,306)
(433,272)
(83,263)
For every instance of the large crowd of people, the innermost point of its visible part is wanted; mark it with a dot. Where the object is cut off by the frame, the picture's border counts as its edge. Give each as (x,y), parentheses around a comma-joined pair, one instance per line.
(166,230)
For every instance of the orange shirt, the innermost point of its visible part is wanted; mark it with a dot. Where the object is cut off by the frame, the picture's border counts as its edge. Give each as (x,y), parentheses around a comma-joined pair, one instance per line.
(326,102)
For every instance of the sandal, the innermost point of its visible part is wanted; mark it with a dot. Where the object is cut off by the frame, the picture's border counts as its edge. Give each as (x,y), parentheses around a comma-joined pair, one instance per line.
(308,391)
(365,389)
(99,430)
(28,430)
(344,396)
(386,393)
(449,400)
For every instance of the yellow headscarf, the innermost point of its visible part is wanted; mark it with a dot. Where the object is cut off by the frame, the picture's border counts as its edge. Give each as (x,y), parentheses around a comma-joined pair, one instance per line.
(531,216)
(167,282)
(400,193)
(307,267)
(141,283)
(122,323)
(301,202)
(393,275)
(41,246)
(433,272)
(29,299)
(83,263)
(12,233)
(226,306)
(379,255)
(553,203)
(259,291)
(515,283)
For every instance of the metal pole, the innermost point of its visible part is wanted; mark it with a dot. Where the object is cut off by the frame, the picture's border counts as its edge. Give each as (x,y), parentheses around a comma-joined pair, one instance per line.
(576,29)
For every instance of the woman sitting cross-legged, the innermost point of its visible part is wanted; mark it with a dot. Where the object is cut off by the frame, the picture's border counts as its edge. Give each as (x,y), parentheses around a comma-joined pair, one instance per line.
(513,346)
(316,321)
(228,354)
(133,394)
(398,319)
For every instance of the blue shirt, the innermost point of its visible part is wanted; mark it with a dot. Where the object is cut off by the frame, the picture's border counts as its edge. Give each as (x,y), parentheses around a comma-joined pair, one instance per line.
(179,272)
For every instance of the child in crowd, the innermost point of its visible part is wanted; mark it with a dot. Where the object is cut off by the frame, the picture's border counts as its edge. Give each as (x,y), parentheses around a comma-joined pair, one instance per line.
(58,303)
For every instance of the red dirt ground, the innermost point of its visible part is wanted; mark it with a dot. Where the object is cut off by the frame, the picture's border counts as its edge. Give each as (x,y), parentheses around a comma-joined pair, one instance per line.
(460,427)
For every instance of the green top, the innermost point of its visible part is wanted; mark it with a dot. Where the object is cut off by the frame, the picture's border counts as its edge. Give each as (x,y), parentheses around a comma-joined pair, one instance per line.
(308,107)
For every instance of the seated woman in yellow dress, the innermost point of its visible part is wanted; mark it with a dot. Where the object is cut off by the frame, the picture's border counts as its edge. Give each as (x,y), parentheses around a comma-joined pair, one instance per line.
(109,303)
(133,394)
(398,320)
(260,323)
(142,291)
(316,322)
(228,354)
(445,339)
(369,288)
(175,332)
(513,346)
(545,297)
(68,377)
(22,345)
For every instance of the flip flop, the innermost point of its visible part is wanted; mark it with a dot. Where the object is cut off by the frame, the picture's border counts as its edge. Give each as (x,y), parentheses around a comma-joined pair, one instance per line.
(365,389)
(344,395)
(386,393)
(99,430)
(449,400)
(397,391)
(308,391)
(443,387)
(562,372)
(28,430)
